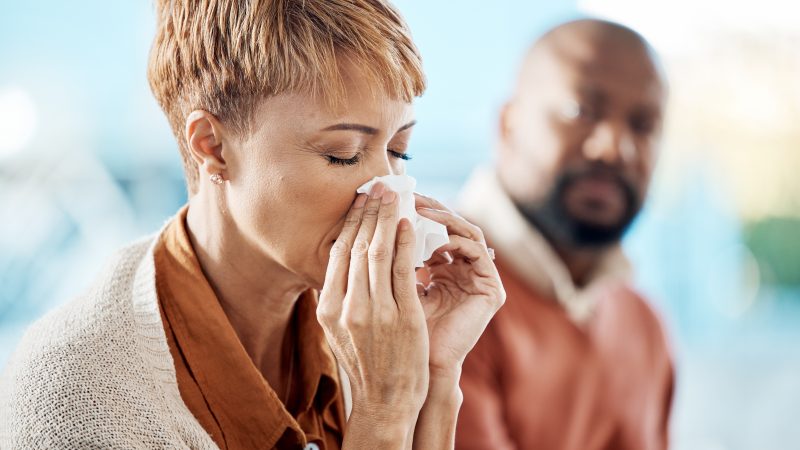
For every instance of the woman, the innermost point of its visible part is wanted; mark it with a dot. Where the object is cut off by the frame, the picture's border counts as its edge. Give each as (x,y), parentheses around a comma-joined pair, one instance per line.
(210,333)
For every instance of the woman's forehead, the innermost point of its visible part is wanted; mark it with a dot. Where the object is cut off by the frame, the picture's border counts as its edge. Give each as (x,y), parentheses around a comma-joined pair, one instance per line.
(305,113)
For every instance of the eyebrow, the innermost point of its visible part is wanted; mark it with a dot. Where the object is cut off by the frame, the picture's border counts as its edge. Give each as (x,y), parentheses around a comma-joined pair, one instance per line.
(364,128)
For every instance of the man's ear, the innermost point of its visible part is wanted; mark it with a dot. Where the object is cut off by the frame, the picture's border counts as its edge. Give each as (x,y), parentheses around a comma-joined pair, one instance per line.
(504,124)
(204,140)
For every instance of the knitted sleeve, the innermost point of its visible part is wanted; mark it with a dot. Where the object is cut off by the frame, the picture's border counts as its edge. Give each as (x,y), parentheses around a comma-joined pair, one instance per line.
(83,376)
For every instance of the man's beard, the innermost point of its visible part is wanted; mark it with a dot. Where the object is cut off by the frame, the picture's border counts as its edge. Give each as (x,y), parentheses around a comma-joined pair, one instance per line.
(552,218)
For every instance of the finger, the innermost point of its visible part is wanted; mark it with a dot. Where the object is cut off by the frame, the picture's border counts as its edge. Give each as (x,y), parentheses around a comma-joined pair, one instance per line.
(423,201)
(404,278)
(421,291)
(381,249)
(475,253)
(455,224)
(358,276)
(438,258)
(339,262)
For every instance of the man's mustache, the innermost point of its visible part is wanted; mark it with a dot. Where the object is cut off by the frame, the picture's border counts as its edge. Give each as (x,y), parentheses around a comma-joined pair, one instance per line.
(611,173)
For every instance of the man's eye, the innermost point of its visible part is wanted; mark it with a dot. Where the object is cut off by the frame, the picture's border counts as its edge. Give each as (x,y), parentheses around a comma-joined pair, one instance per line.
(642,125)
(575,111)
(343,162)
(399,155)
(570,110)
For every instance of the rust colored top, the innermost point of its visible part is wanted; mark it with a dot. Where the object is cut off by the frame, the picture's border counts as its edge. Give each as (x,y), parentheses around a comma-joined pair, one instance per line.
(538,380)
(217,379)
(561,366)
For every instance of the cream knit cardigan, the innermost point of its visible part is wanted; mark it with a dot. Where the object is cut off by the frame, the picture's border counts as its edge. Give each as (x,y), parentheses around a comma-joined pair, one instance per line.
(97,373)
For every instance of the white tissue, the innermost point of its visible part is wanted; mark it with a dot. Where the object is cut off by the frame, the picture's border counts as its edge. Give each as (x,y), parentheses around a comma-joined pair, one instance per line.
(430,235)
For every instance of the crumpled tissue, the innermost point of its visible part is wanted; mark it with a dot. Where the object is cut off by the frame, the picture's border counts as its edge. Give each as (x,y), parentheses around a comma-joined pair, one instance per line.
(430,234)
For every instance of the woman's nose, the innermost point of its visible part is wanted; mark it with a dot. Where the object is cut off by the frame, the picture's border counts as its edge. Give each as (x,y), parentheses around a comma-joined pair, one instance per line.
(386,166)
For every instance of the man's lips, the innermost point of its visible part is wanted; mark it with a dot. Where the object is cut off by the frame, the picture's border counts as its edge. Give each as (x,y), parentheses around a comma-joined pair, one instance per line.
(598,198)
(597,187)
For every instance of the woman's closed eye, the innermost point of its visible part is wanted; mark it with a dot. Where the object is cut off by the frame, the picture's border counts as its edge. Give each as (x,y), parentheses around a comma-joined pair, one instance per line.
(399,155)
(355,159)
(344,161)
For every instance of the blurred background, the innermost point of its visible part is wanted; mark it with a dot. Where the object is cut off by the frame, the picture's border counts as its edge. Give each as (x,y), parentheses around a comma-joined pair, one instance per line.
(88,163)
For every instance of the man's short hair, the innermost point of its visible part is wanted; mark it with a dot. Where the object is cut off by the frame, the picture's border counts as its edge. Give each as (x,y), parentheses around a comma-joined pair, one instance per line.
(223,56)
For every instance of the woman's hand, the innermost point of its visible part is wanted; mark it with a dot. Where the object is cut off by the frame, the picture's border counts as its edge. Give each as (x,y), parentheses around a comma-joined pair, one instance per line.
(463,293)
(374,322)
(460,295)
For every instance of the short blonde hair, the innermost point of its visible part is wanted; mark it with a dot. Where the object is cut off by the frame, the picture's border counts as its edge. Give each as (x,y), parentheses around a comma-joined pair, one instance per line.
(223,56)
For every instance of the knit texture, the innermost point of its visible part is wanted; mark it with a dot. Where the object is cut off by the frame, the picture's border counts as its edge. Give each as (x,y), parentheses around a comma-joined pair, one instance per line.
(97,372)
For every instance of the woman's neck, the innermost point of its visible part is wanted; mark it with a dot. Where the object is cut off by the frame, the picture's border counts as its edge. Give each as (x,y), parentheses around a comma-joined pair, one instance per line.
(257,294)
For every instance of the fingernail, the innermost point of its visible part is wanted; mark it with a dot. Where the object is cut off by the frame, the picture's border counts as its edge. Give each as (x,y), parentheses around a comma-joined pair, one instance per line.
(388,197)
(376,191)
(404,224)
(360,201)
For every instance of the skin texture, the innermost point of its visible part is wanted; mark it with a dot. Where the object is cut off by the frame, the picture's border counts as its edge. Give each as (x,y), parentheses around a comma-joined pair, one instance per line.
(589,101)
(287,218)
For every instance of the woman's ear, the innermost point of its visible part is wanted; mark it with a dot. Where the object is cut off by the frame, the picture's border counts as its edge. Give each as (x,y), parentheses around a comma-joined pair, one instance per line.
(204,140)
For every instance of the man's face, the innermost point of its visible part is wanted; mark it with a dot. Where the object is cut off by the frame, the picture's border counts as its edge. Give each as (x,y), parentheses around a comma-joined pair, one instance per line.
(579,141)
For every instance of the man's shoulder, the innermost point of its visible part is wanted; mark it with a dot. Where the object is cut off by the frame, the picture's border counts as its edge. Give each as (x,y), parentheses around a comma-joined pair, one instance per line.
(633,302)
(627,308)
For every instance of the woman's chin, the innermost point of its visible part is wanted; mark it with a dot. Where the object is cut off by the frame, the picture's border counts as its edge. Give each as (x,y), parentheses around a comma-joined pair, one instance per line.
(317,278)
(317,285)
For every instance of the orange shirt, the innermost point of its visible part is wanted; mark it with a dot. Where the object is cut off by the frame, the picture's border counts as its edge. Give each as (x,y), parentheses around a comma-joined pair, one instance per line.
(216,377)
(537,380)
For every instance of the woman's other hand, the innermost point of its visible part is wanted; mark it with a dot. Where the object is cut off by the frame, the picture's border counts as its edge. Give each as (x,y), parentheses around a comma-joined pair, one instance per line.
(463,293)
(374,321)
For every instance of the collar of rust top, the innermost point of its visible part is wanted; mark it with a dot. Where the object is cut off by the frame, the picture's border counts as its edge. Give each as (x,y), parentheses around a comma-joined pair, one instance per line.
(247,409)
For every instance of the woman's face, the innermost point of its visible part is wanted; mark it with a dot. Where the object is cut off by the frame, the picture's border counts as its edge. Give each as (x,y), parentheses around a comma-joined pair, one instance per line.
(292,181)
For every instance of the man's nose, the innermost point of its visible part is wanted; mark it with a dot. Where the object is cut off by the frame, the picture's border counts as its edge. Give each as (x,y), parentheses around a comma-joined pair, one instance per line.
(610,142)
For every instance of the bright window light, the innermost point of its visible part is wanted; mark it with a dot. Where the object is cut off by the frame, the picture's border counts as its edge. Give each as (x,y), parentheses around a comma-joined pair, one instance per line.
(17,120)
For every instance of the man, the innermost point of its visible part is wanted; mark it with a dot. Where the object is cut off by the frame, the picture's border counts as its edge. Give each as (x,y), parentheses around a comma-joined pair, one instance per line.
(576,359)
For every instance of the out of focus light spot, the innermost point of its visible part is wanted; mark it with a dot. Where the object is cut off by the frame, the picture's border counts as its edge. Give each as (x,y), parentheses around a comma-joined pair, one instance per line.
(17,120)
(660,20)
